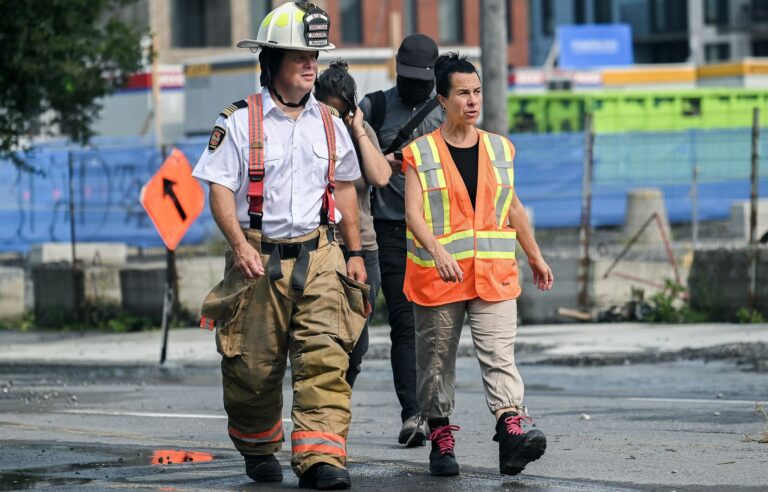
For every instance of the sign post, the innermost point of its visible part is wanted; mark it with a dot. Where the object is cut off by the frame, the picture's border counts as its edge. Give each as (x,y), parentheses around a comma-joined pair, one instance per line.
(173,200)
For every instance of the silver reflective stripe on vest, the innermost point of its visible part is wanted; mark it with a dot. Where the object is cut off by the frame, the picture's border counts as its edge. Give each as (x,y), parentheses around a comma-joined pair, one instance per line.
(435,193)
(500,155)
(496,244)
(459,245)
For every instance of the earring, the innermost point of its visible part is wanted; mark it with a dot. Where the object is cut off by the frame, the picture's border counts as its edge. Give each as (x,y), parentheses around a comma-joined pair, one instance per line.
(443,108)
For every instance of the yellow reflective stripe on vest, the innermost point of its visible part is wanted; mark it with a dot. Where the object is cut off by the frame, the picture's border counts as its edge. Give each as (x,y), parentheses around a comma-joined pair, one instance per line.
(500,155)
(496,244)
(437,210)
(460,245)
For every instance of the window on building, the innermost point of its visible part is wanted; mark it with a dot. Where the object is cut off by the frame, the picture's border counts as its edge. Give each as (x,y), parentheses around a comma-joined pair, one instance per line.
(717,52)
(603,11)
(259,10)
(669,17)
(547,18)
(410,17)
(716,12)
(451,21)
(580,12)
(200,23)
(759,10)
(760,47)
(510,24)
(351,15)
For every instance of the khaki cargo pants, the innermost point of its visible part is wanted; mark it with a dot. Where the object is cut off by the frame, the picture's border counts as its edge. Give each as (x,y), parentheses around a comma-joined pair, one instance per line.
(260,323)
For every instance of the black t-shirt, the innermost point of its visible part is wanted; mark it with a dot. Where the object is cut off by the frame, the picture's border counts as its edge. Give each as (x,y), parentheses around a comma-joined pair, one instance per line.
(466,160)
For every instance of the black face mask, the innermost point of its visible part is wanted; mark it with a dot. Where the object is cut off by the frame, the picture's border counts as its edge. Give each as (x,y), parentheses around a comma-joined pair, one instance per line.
(414,91)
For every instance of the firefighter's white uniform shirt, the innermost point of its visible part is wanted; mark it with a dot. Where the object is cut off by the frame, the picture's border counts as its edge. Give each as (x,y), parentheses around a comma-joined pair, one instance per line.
(295,166)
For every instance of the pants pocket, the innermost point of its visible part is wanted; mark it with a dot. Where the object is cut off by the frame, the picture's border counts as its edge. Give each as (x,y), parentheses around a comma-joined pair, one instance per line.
(226,306)
(353,297)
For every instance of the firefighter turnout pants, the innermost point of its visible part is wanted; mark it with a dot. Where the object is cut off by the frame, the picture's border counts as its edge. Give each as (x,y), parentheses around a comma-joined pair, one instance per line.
(260,322)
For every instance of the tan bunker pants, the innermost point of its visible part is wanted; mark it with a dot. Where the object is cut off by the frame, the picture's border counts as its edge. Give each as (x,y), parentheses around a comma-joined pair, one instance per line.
(262,321)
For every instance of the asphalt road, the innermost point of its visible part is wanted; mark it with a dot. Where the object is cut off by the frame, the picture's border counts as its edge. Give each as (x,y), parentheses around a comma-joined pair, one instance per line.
(666,426)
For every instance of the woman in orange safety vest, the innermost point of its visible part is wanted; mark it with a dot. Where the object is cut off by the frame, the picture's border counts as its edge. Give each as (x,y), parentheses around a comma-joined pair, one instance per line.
(464,221)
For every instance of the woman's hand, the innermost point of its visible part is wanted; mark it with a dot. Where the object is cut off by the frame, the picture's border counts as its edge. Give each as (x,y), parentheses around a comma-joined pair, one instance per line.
(446,265)
(542,274)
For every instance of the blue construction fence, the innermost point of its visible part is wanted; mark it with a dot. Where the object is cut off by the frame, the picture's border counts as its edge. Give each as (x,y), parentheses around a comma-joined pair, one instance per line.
(107,179)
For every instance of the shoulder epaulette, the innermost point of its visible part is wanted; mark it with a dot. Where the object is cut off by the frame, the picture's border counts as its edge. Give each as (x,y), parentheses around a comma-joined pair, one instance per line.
(227,112)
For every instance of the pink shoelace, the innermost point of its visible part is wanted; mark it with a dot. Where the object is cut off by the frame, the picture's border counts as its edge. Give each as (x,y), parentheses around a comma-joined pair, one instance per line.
(514,425)
(444,438)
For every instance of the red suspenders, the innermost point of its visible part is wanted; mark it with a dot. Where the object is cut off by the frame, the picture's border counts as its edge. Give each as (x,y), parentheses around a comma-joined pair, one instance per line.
(256,163)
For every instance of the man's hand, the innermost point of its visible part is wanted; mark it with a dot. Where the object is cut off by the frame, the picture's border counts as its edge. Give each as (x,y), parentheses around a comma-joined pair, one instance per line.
(356,269)
(542,274)
(395,164)
(248,261)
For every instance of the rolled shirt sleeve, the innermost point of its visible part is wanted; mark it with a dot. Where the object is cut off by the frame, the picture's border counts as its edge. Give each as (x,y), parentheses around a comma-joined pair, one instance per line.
(223,165)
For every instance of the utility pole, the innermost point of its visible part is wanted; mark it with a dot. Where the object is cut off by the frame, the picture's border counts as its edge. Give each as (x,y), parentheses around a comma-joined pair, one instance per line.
(493,57)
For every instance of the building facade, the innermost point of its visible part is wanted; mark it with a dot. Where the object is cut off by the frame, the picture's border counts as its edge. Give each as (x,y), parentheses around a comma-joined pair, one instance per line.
(663,31)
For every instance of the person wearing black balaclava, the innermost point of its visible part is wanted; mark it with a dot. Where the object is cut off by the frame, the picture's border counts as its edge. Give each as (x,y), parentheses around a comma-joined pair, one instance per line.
(412,101)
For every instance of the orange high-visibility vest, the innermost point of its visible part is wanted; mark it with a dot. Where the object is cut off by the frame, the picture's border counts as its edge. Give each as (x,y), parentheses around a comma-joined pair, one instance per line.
(481,240)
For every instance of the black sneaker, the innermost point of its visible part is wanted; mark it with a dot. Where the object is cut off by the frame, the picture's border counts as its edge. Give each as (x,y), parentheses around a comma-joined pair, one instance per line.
(323,476)
(517,448)
(264,468)
(442,460)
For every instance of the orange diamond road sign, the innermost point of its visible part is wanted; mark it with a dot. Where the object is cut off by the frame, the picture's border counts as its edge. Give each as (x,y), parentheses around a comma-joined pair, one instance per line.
(173,198)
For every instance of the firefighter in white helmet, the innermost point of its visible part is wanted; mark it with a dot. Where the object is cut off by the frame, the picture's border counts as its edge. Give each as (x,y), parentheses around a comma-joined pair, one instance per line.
(281,168)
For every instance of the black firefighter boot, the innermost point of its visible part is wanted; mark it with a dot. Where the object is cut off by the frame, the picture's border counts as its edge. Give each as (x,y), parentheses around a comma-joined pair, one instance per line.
(442,460)
(263,468)
(516,447)
(323,476)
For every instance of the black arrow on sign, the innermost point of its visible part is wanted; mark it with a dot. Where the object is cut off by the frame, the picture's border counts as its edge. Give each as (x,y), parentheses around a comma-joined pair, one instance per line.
(168,190)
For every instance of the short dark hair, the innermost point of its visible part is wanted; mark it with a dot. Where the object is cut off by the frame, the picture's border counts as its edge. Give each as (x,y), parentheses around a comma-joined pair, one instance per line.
(336,81)
(448,64)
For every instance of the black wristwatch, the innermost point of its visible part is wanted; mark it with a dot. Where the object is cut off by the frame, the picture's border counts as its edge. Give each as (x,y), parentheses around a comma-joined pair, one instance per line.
(355,252)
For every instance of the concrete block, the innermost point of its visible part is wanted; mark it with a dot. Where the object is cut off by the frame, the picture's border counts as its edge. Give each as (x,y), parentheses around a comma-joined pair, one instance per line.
(88,253)
(197,276)
(738,224)
(648,275)
(142,288)
(718,282)
(535,306)
(641,203)
(12,292)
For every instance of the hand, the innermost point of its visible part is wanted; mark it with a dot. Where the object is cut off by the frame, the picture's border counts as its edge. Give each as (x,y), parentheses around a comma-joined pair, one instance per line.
(248,261)
(395,164)
(355,121)
(446,265)
(542,274)
(356,269)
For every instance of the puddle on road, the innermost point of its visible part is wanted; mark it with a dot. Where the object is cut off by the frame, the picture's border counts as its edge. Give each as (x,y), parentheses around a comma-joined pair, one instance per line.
(177,456)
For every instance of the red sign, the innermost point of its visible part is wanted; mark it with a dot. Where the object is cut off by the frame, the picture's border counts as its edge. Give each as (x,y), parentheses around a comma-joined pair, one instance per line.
(173,199)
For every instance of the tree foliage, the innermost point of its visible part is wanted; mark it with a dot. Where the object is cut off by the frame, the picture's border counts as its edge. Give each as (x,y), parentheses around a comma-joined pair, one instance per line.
(60,57)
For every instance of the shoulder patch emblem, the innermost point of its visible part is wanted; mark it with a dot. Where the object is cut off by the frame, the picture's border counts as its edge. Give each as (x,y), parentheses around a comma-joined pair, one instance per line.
(227,112)
(217,136)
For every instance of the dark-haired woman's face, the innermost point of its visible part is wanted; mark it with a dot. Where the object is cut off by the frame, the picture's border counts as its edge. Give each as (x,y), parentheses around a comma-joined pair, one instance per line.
(462,106)
(339,105)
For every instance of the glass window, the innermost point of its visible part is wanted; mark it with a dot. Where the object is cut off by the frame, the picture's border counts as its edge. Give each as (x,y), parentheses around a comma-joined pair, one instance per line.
(669,16)
(716,12)
(760,48)
(200,23)
(579,12)
(547,18)
(717,52)
(410,17)
(603,11)
(759,10)
(510,23)
(451,21)
(350,13)
(259,10)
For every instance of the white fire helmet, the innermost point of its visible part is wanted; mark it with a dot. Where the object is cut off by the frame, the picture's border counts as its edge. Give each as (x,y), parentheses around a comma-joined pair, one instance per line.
(293,26)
